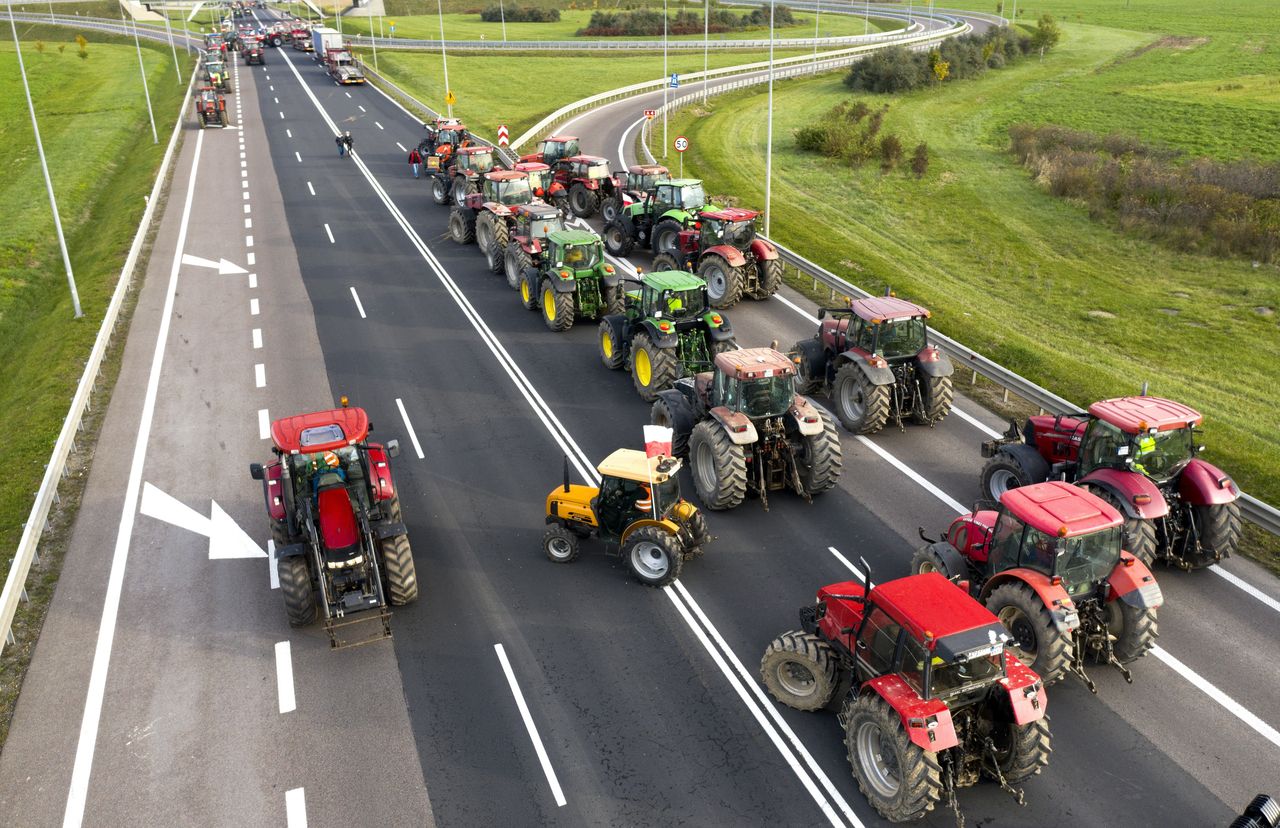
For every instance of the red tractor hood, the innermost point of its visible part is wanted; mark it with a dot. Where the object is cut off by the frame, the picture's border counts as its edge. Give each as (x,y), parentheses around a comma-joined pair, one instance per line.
(338,529)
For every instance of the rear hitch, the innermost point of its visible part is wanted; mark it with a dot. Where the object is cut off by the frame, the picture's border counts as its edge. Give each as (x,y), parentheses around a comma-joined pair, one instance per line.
(989,748)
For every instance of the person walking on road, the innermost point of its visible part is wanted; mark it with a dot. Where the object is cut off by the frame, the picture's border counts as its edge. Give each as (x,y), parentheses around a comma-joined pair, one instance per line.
(415,161)
(345,144)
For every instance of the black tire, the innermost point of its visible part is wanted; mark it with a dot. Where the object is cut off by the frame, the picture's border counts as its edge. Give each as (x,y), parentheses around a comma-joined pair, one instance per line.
(397,566)
(514,262)
(295,587)
(901,780)
(462,225)
(615,299)
(583,202)
(799,669)
(560,545)
(1000,474)
(610,208)
(666,237)
(557,308)
(660,415)
(664,261)
(768,278)
(724,282)
(820,458)
(1022,751)
(699,535)
(806,383)
(654,555)
(719,466)
(1219,529)
(613,351)
(1139,535)
(616,240)
(863,408)
(927,560)
(653,369)
(498,247)
(439,190)
(1036,641)
(529,290)
(1134,630)
(463,187)
(936,394)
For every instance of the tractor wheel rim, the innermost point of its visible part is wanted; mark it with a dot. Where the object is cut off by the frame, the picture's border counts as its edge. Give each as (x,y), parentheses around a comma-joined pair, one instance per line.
(606,344)
(878,759)
(437,189)
(559,548)
(704,468)
(851,401)
(484,236)
(607,211)
(796,679)
(524,291)
(1024,634)
(927,566)
(644,369)
(650,559)
(579,199)
(549,304)
(1002,480)
(717,282)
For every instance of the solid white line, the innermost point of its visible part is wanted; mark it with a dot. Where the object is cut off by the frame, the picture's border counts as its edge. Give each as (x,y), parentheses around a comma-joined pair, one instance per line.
(257,338)
(910,472)
(260,375)
(273,568)
(78,791)
(531,727)
(248,241)
(312,189)
(329,233)
(378,125)
(401,146)
(1265,730)
(359,306)
(284,678)
(298,156)
(1240,583)
(295,807)
(264,424)
(622,142)
(413,435)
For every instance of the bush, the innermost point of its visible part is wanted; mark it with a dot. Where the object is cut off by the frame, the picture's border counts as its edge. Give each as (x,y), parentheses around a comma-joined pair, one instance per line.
(520,14)
(897,69)
(890,152)
(648,23)
(920,160)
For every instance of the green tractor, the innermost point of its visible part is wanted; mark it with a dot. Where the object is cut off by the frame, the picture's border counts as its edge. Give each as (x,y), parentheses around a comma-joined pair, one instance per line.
(666,330)
(571,279)
(657,218)
(216,73)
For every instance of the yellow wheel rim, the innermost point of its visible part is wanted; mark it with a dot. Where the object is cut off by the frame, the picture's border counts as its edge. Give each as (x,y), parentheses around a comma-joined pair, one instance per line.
(606,344)
(524,291)
(549,304)
(644,371)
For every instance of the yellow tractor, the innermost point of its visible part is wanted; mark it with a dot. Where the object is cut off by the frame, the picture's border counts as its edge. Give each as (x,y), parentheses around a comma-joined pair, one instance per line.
(637,507)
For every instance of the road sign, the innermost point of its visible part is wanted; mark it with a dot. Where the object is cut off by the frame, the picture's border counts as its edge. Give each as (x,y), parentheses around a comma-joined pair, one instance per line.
(504,137)
(650,113)
(681,143)
(450,98)
(675,80)
(393,27)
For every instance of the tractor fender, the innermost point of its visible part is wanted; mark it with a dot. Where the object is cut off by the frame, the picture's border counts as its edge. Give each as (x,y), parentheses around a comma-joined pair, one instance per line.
(1204,484)
(1035,467)
(675,215)
(1128,486)
(382,531)
(628,223)
(806,417)
(497,209)
(608,274)
(1132,582)
(951,559)
(293,550)
(718,332)
(384,487)
(741,431)
(728,252)
(931,362)
(1027,698)
(763,251)
(878,372)
(273,491)
(473,201)
(1061,608)
(562,285)
(663,340)
(621,328)
(682,417)
(531,246)
(589,183)
(927,721)
(810,359)
(669,526)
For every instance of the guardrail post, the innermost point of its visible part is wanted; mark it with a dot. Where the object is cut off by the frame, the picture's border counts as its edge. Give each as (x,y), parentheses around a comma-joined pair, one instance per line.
(1006,395)
(974,379)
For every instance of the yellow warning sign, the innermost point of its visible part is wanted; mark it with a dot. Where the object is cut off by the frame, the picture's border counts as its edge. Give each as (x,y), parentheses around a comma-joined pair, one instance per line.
(450,98)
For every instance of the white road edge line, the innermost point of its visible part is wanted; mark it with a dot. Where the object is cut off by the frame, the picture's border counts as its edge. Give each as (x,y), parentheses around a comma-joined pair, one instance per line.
(1265,730)
(273,567)
(284,677)
(328,233)
(359,306)
(78,792)
(295,808)
(531,727)
(413,435)
(1240,583)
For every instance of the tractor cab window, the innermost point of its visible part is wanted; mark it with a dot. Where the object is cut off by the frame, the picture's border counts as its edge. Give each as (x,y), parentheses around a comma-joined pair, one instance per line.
(591,169)
(539,227)
(1006,542)
(665,494)
(1039,550)
(960,676)
(579,256)
(1086,560)
(616,504)
(553,151)
(1103,446)
(767,397)
(878,642)
(539,180)
(691,197)
(478,161)
(643,183)
(738,234)
(667,197)
(724,391)
(1161,455)
(675,304)
(452,137)
(511,192)
(894,338)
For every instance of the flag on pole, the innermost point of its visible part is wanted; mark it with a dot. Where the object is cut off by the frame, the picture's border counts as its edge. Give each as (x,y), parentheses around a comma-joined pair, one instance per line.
(657,441)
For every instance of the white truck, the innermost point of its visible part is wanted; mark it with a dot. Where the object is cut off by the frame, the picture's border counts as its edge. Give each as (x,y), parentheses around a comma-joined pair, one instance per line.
(325,39)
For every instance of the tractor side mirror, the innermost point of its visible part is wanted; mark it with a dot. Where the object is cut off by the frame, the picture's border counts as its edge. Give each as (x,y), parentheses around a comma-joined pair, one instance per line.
(393,448)
(822,313)
(255,471)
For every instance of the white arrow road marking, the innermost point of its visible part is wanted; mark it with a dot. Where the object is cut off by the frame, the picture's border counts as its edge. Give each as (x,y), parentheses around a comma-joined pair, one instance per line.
(223,266)
(226,539)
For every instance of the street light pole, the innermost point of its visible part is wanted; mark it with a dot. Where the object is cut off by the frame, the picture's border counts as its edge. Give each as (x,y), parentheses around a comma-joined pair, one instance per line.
(706,43)
(768,140)
(444,59)
(142,70)
(666,78)
(502,12)
(44,167)
(866,19)
(816,17)
(168,28)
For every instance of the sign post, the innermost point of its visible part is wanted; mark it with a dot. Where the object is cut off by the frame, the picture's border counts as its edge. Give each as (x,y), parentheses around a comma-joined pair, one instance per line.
(681,144)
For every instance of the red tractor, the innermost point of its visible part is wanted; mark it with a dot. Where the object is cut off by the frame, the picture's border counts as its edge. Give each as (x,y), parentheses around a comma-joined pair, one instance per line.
(542,181)
(469,164)
(582,177)
(443,141)
(211,108)
(1049,564)
(552,149)
(721,247)
(336,522)
(935,703)
(629,187)
(487,217)
(874,360)
(534,223)
(1138,454)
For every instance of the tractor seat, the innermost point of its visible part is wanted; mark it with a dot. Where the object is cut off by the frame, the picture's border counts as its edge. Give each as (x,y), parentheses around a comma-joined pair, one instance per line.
(328,480)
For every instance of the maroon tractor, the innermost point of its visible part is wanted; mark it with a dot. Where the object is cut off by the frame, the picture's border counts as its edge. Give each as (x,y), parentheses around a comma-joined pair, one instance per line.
(336,522)
(469,164)
(543,183)
(935,702)
(874,360)
(442,142)
(1049,564)
(721,246)
(534,223)
(582,177)
(487,217)
(629,188)
(211,108)
(552,149)
(1138,454)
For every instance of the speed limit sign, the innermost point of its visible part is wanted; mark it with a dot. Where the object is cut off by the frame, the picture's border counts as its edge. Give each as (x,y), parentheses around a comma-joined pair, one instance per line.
(681,143)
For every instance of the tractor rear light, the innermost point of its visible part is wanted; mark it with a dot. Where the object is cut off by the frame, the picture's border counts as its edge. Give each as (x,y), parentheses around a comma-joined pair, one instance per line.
(810,418)
(664,326)
(564,274)
(717,319)
(1128,561)
(1224,482)
(275,501)
(697,225)
(1141,499)
(737,428)
(1062,531)
(1056,580)
(608,268)
(915,722)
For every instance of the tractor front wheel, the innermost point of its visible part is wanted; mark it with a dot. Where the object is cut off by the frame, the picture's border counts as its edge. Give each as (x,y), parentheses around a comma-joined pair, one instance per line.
(666,237)
(397,566)
(719,466)
(295,586)
(861,405)
(1000,474)
(724,281)
(560,544)
(936,394)
(613,352)
(557,308)
(664,261)
(514,262)
(654,555)
(768,278)
(799,670)
(1133,628)
(610,208)
(616,240)
(439,190)
(583,202)
(462,225)
(1036,641)
(463,187)
(529,289)
(820,458)
(927,560)
(900,779)
(1218,527)
(653,369)
(1021,752)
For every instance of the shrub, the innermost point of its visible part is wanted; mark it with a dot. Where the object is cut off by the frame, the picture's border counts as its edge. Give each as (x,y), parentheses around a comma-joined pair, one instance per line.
(920,160)
(890,152)
(520,14)
(647,22)
(897,69)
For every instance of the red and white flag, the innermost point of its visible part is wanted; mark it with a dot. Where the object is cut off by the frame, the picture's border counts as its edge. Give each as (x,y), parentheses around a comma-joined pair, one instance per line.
(657,441)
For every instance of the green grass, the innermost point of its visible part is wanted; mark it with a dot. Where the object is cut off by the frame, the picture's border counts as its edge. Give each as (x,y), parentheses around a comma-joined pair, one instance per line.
(1020,275)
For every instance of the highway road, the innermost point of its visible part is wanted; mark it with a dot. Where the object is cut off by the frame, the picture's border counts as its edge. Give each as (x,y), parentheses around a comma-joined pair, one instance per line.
(515,690)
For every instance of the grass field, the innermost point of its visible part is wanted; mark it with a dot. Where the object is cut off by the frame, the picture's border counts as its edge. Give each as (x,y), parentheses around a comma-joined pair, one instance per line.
(1025,277)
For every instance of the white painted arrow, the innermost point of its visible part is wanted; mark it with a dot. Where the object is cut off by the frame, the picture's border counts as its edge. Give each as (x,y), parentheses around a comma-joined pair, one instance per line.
(223,266)
(226,539)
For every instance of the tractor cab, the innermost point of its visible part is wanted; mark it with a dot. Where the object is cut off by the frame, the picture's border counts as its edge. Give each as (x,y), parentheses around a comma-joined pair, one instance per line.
(634,487)
(674,295)
(475,159)
(1149,435)
(538,221)
(731,226)
(214,67)
(576,250)
(583,168)
(508,188)
(757,382)
(551,150)
(213,42)
(642,178)
(540,176)
(679,194)
(886,326)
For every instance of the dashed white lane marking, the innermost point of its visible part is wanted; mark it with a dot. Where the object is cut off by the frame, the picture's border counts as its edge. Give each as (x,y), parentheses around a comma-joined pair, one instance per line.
(253,281)
(413,435)
(264,423)
(289,133)
(244,164)
(378,125)
(401,146)
(295,808)
(248,223)
(531,727)
(246,208)
(253,306)
(362,109)
(284,677)
(257,339)
(273,567)
(328,233)
(260,375)
(272,89)
(312,189)
(250,259)
(359,306)
(244,185)
(268,77)
(282,116)
(245,195)
(248,241)
(912,473)
(277,100)
(348,94)
(973,421)
(242,155)
(1249,588)
(298,156)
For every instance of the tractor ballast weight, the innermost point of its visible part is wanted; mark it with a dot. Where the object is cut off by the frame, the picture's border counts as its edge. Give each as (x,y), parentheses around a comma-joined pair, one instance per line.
(722,247)
(572,279)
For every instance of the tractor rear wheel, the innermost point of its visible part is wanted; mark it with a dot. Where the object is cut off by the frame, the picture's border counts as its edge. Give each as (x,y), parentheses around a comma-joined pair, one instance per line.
(1219,529)
(1000,474)
(719,466)
(583,202)
(664,261)
(666,237)
(514,263)
(560,545)
(699,534)
(529,289)
(936,394)
(616,240)
(927,560)
(1036,641)
(613,352)
(439,190)
(295,586)
(820,458)
(498,247)
(557,308)
(768,278)
(654,555)
(653,369)
(397,566)
(862,406)
(1139,535)
(724,281)
(462,225)
(1022,751)
(610,208)
(900,779)
(463,187)
(799,670)
(484,232)
(660,414)
(1133,628)
(614,299)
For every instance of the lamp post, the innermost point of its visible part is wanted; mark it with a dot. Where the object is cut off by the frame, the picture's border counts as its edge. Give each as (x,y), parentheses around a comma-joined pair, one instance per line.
(768,140)
(666,78)
(444,59)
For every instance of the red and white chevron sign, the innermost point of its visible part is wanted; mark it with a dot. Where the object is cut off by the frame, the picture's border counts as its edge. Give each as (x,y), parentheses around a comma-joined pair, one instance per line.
(503,137)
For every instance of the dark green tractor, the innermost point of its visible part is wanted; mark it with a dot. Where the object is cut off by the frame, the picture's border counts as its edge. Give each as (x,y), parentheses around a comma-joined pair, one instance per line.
(657,218)
(216,74)
(571,278)
(666,330)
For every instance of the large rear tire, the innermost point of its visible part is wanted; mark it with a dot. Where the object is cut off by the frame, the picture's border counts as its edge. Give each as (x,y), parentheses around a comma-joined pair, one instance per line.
(462,225)
(295,588)
(613,351)
(583,202)
(654,556)
(799,670)
(1022,751)
(862,406)
(663,262)
(514,263)
(557,308)
(820,458)
(616,240)
(1000,474)
(1133,628)
(660,414)
(936,394)
(1139,535)
(666,237)
(768,278)
(724,282)
(463,187)
(1219,529)
(439,190)
(900,779)
(1036,641)
(719,466)
(653,369)
(397,565)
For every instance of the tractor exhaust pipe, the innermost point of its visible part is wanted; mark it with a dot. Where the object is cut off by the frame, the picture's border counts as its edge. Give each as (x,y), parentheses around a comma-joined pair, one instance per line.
(566,474)
(1144,389)
(866,570)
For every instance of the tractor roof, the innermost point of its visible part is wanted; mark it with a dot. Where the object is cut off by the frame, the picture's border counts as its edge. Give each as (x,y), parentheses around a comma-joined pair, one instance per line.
(475,150)
(506,175)
(632,464)
(672,280)
(320,431)
(588,159)
(541,211)
(458,127)
(730,214)
(1137,414)
(560,139)
(574,237)
(1060,509)
(648,169)
(754,363)
(885,308)
(929,603)
(684,182)
(531,166)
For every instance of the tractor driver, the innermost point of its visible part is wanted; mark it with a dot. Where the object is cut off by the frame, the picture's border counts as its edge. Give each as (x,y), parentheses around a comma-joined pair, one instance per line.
(1145,445)
(675,305)
(323,464)
(573,255)
(644,503)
